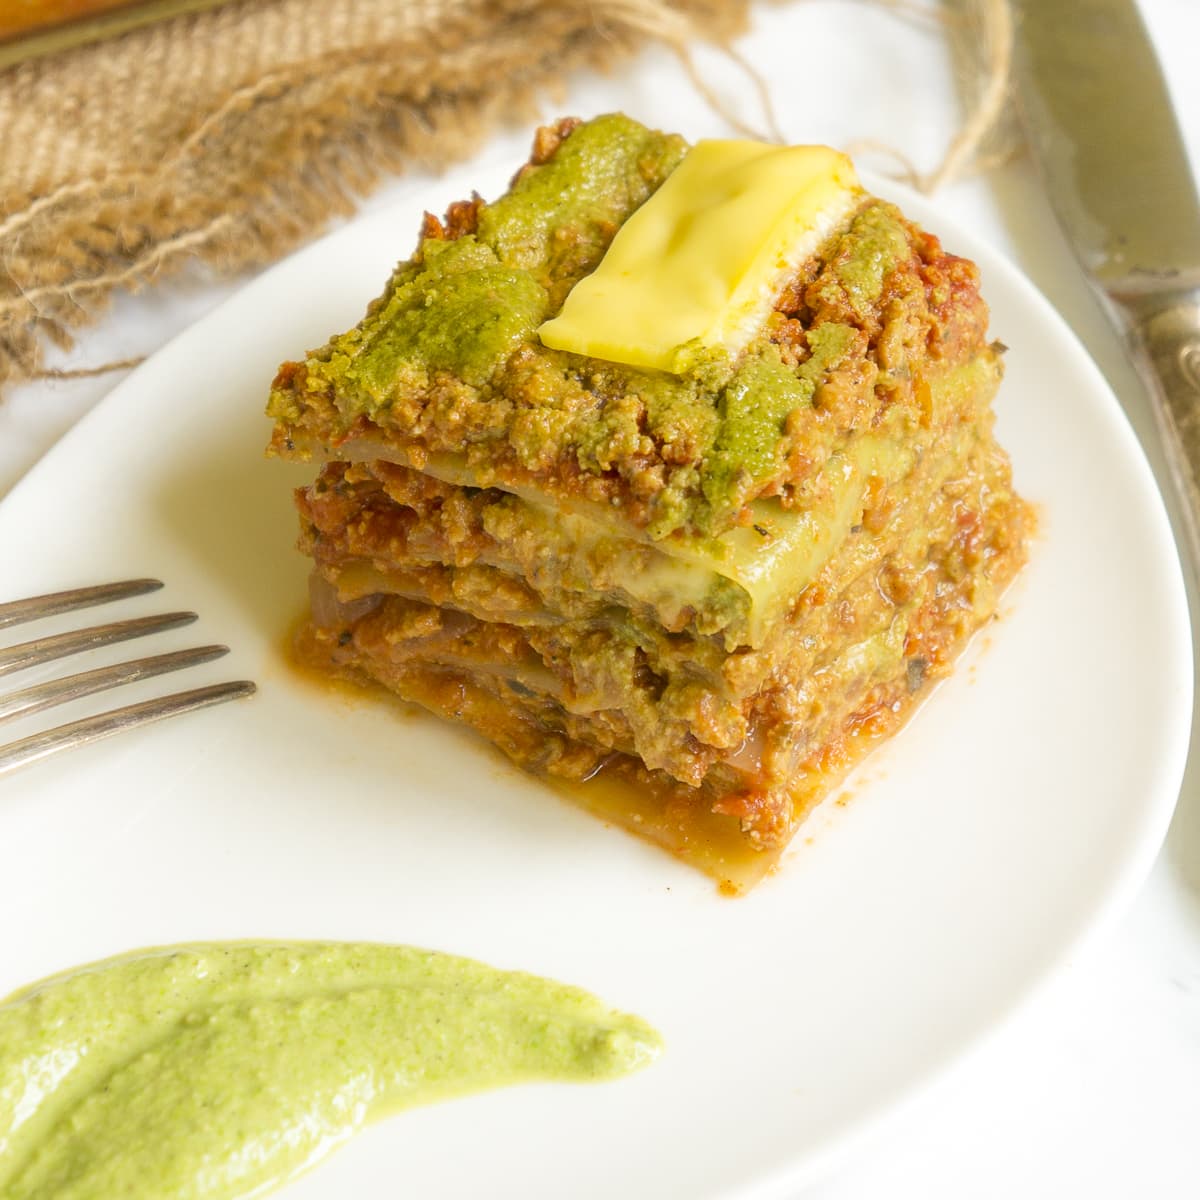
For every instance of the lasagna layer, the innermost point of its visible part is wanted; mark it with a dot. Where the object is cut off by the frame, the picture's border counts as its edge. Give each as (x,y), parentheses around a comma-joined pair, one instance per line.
(738,583)
(891,604)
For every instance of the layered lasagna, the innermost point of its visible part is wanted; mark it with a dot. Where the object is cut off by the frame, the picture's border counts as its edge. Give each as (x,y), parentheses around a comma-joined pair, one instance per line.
(670,472)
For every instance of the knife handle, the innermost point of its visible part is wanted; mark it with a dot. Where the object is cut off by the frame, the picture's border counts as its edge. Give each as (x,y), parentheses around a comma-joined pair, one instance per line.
(1164,342)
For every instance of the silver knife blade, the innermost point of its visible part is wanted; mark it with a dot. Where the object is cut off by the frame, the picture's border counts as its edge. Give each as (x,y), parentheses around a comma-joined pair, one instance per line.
(1102,126)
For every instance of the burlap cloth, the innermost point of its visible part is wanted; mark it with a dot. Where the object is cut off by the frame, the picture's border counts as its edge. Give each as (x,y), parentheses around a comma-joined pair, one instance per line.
(226,137)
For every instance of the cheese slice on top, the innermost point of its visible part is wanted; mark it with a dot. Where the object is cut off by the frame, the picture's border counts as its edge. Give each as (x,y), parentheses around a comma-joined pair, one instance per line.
(700,265)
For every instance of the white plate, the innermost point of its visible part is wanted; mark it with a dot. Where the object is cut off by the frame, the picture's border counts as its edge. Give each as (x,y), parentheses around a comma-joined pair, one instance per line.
(1022,804)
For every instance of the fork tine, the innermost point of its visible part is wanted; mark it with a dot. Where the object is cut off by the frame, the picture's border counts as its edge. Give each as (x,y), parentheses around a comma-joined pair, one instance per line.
(91,729)
(87,683)
(35,607)
(43,650)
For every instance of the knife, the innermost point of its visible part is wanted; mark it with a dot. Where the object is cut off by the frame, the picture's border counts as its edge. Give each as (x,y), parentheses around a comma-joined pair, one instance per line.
(1102,128)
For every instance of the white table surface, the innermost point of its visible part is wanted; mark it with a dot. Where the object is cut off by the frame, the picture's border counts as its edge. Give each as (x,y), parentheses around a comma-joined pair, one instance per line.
(1093,1089)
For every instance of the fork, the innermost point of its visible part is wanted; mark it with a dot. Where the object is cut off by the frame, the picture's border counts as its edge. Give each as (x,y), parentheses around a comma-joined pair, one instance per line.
(73,687)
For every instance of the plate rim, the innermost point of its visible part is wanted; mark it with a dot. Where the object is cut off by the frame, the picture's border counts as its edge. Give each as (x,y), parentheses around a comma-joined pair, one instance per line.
(1135,865)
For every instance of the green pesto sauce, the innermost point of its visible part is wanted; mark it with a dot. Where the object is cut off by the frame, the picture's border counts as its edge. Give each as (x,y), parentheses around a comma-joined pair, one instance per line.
(867,254)
(462,311)
(464,306)
(448,326)
(558,218)
(754,406)
(213,1071)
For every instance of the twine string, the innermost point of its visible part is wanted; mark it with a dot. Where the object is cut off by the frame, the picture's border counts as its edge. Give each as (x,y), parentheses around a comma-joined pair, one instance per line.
(997,22)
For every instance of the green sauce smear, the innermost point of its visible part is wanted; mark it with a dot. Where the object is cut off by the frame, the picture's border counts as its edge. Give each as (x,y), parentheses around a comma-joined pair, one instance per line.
(215,1071)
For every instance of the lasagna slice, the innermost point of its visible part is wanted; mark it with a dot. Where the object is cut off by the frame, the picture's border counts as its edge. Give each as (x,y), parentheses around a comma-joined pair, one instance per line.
(684,508)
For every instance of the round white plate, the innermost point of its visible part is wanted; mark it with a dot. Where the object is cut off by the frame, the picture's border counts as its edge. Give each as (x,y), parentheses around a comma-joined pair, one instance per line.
(1020,806)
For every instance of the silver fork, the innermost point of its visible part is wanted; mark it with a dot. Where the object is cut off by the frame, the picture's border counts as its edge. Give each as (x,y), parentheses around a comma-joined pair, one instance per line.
(86,683)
